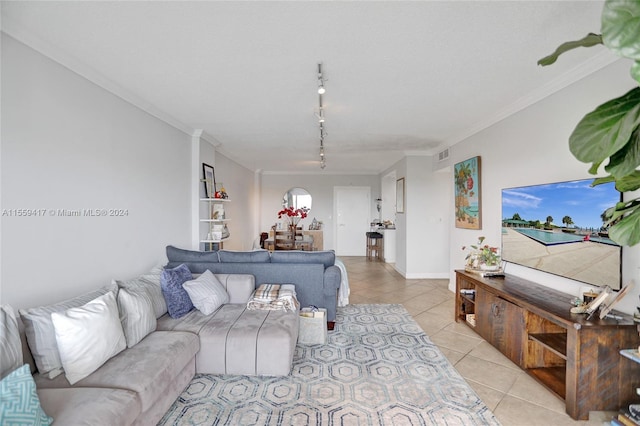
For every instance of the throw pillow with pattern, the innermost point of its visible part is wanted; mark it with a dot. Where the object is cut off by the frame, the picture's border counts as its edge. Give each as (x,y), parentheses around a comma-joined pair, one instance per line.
(177,298)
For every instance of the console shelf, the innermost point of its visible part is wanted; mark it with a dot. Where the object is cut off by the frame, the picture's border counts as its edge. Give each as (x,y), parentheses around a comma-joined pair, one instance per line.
(553,378)
(575,358)
(555,342)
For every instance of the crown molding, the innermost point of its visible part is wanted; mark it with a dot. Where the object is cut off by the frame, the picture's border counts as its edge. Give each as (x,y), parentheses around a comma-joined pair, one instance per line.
(74,65)
(319,173)
(570,77)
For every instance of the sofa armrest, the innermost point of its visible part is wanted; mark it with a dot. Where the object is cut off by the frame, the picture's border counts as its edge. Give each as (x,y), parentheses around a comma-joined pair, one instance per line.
(332,277)
(240,287)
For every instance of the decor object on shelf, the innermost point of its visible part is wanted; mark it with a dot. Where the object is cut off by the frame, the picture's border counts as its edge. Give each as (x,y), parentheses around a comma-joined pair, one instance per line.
(466,175)
(217,230)
(609,304)
(591,307)
(209,179)
(400,195)
(482,257)
(609,134)
(221,193)
(315,225)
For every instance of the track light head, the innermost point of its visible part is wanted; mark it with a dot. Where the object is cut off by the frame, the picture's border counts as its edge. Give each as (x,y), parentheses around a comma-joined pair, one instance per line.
(321,80)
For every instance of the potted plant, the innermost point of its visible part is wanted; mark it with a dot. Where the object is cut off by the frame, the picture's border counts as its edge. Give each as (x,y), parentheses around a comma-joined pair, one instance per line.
(482,256)
(610,134)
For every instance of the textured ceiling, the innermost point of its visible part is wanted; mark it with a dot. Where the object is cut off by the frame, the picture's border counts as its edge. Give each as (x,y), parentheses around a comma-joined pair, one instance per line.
(403,77)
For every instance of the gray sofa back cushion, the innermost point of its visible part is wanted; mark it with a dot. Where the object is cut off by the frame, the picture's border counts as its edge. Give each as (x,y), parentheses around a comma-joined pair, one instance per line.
(327,258)
(258,256)
(10,344)
(308,278)
(177,255)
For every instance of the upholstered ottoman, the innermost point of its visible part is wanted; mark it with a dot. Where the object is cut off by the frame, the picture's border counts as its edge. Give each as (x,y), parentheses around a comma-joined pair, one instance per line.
(235,340)
(248,342)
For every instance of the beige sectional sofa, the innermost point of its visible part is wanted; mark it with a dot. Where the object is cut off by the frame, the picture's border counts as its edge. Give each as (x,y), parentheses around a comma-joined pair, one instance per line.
(138,384)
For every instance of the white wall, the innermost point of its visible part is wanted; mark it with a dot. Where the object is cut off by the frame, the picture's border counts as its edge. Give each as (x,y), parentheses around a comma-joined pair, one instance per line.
(422,231)
(531,147)
(320,187)
(243,209)
(427,220)
(68,144)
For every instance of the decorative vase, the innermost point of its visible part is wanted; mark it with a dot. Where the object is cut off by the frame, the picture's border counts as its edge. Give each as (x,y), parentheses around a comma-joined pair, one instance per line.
(486,267)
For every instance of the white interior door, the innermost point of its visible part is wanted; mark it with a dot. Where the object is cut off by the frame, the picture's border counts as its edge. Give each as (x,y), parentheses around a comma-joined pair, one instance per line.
(353,211)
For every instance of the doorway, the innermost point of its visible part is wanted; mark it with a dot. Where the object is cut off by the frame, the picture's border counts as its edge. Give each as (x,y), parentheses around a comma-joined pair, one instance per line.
(353,219)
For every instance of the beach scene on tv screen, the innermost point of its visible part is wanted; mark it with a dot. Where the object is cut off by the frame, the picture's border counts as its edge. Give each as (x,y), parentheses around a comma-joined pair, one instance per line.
(559,228)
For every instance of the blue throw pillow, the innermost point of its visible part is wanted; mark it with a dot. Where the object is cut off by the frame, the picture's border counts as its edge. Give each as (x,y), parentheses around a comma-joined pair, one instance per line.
(177,298)
(20,403)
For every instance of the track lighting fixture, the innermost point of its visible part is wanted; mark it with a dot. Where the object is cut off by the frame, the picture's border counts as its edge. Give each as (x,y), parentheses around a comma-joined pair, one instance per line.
(320,115)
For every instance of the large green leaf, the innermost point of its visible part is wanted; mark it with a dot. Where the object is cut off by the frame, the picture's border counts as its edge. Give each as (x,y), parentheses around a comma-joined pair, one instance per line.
(604,131)
(635,71)
(621,27)
(625,161)
(589,40)
(627,230)
(630,182)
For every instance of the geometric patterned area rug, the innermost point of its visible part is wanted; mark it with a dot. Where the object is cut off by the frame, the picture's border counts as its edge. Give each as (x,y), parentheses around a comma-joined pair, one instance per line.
(378,368)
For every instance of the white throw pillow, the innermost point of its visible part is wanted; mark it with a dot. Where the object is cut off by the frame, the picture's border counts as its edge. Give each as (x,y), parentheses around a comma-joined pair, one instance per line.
(41,334)
(206,293)
(88,336)
(151,283)
(137,315)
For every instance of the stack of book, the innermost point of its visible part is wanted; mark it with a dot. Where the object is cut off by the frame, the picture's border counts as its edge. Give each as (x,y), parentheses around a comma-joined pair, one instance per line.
(628,417)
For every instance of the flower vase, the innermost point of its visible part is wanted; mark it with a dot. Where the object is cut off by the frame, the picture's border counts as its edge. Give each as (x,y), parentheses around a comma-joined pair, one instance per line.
(486,267)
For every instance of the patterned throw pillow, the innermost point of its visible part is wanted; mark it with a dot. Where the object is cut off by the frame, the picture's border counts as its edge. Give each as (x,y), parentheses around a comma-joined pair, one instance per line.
(177,298)
(206,293)
(20,403)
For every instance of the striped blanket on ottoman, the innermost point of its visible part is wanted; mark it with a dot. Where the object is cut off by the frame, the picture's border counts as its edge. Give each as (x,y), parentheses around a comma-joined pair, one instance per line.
(274,297)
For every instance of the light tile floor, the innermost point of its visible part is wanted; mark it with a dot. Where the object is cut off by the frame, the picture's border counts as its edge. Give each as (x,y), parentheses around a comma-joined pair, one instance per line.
(513,396)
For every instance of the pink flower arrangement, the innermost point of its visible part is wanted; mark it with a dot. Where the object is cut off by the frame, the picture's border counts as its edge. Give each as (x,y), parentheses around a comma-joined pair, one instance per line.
(482,254)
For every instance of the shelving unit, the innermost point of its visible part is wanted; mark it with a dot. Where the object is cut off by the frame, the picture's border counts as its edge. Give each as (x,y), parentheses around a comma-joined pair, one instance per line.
(210,221)
(575,358)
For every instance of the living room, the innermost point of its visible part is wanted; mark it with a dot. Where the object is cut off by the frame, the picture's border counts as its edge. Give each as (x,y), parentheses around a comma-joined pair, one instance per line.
(62,149)
(73,140)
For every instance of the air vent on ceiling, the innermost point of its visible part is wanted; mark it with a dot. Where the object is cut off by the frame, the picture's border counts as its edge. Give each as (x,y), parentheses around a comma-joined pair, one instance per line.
(443,155)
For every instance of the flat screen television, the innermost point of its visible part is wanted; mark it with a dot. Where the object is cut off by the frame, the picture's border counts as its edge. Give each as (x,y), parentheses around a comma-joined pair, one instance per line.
(558,228)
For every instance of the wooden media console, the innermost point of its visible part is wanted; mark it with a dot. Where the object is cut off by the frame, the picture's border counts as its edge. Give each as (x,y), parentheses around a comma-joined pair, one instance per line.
(575,358)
